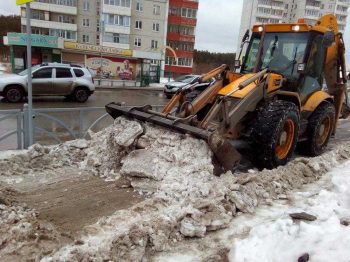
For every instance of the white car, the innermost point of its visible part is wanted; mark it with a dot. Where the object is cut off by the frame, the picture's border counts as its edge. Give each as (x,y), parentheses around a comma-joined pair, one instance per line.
(173,86)
(51,79)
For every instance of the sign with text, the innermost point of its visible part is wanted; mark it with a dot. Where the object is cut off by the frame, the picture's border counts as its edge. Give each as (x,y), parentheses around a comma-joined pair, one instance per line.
(37,40)
(98,49)
(22,2)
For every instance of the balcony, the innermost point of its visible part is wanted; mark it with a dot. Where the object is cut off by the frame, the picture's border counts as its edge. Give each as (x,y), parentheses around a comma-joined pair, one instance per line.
(117,29)
(61,9)
(274,7)
(117,10)
(181,38)
(50,24)
(312,7)
(179,20)
(116,45)
(343,3)
(184,3)
(263,15)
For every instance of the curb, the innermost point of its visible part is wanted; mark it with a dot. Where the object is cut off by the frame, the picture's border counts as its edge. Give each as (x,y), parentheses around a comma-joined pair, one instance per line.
(129,88)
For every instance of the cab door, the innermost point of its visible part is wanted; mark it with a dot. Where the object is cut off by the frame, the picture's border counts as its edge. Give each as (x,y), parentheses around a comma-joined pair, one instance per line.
(42,81)
(63,82)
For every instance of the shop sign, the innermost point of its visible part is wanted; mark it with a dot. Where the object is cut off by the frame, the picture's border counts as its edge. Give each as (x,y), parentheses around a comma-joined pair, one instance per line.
(37,40)
(99,49)
(22,2)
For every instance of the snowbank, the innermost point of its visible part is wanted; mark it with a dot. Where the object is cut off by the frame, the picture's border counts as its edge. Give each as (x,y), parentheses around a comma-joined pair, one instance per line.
(326,239)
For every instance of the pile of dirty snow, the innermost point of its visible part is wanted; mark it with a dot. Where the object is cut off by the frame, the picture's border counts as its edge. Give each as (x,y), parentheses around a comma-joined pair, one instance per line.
(175,171)
(23,236)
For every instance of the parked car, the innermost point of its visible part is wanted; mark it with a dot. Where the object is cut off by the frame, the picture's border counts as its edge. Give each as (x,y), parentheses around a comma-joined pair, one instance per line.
(171,87)
(53,79)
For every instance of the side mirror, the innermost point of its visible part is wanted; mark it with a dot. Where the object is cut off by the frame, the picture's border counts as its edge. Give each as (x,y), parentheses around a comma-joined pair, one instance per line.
(246,36)
(301,68)
(328,39)
(237,64)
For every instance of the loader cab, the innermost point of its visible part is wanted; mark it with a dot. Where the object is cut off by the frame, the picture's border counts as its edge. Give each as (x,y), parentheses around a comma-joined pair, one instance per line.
(292,51)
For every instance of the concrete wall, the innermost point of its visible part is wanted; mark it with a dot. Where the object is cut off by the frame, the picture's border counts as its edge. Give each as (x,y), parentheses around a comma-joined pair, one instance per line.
(94,18)
(147,34)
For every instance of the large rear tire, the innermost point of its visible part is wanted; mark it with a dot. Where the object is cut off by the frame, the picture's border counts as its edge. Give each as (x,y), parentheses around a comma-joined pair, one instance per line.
(275,134)
(320,128)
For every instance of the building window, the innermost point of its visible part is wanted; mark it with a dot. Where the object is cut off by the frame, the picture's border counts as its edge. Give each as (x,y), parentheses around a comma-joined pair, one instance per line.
(156,27)
(86,39)
(184,61)
(189,13)
(138,25)
(139,7)
(156,9)
(70,35)
(116,38)
(86,22)
(154,44)
(65,19)
(123,3)
(60,2)
(86,5)
(120,20)
(137,41)
(38,15)
(36,31)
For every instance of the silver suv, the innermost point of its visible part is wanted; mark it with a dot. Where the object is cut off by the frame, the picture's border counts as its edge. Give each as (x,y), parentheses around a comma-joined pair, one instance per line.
(54,79)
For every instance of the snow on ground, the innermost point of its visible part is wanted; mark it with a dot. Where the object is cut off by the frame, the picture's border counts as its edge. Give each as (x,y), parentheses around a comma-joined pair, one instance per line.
(278,238)
(185,199)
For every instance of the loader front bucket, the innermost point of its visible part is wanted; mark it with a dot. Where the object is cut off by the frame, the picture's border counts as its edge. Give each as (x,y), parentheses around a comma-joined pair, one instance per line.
(225,153)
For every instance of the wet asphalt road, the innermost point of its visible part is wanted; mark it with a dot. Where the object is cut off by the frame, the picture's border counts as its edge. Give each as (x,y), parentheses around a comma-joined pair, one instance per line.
(99,99)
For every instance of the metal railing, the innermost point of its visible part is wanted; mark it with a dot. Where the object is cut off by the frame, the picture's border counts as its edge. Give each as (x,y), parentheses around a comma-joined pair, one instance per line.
(53,125)
(111,83)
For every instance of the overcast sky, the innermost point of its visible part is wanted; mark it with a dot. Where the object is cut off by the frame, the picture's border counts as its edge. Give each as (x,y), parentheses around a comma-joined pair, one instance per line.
(217,28)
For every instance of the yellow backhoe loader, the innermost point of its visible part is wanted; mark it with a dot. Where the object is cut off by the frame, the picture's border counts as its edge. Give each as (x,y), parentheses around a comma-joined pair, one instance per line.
(289,92)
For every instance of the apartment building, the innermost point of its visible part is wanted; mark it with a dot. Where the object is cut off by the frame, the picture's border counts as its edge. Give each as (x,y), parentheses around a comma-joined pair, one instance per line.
(54,18)
(286,11)
(148,29)
(182,21)
(118,29)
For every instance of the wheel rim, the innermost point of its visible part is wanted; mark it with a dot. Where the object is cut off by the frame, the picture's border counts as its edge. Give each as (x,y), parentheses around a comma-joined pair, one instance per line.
(81,95)
(285,140)
(323,131)
(13,95)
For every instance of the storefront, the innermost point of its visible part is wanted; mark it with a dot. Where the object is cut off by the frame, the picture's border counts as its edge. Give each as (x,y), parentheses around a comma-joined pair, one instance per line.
(45,49)
(106,62)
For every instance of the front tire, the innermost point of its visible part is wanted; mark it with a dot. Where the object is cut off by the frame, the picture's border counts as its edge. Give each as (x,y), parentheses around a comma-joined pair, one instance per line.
(320,128)
(275,134)
(14,94)
(81,94)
